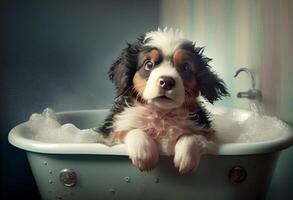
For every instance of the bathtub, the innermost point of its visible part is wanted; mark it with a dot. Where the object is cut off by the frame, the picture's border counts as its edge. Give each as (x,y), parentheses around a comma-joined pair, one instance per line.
(95,171)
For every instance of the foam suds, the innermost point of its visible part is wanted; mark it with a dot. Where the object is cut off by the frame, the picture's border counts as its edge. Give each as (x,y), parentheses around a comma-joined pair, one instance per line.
(234,126)
(231,126)
(45,128)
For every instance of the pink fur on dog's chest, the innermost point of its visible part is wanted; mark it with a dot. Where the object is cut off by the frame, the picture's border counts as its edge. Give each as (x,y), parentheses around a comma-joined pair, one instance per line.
(164,127)
(159,125)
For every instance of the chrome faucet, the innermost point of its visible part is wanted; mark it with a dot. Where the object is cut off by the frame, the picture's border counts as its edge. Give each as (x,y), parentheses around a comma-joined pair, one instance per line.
(252,93)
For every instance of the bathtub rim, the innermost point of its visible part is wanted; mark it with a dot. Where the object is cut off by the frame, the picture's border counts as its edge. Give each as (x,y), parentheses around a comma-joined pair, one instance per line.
(17,139)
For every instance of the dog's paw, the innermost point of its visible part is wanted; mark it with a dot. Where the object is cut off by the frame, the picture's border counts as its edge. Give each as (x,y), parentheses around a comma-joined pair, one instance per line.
(187,153)
(142,150)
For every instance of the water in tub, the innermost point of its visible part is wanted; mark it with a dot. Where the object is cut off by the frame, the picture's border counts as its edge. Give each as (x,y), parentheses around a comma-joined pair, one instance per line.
(230,126)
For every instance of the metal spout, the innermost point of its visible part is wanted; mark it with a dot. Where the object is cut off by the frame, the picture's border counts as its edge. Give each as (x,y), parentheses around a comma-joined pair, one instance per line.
(251,93)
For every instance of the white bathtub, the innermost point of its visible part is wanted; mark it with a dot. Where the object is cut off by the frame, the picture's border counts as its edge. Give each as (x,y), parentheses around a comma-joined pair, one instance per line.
(95,171)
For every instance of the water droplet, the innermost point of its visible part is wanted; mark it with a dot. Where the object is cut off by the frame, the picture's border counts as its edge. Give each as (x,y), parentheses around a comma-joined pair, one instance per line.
(59,197)
(127,179)
(50,181)
(157,180)
(50,172)
(112,191)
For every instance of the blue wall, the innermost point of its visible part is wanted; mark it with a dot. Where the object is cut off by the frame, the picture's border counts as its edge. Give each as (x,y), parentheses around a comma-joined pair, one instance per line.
(57,54)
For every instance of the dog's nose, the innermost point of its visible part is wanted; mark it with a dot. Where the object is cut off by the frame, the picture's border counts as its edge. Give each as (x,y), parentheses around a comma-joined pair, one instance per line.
(166,83)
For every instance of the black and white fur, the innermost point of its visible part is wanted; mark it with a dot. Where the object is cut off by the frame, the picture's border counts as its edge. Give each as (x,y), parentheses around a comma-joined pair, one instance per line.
(141,148)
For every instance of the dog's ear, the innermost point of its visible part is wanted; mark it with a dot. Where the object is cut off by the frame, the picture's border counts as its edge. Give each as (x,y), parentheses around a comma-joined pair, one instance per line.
(211,86)
(123,69)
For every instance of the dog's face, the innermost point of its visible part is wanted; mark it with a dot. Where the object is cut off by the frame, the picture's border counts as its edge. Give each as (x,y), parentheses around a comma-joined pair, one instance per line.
(166,71)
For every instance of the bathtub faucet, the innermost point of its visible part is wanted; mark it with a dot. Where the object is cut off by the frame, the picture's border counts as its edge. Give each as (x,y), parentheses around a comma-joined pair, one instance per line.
(252,93)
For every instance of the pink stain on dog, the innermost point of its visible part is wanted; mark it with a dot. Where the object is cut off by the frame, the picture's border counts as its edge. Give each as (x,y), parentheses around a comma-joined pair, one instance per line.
(163,124)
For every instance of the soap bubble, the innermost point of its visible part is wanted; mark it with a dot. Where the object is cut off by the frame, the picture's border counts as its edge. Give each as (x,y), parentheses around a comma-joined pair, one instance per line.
(230,125)
(235,126)
(44,127)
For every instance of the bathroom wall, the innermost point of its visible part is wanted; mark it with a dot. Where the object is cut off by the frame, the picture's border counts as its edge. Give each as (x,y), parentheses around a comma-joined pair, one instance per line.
(256,34)
(56,54)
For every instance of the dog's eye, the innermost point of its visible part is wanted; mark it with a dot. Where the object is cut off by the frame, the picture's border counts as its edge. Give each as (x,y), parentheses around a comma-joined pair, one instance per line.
(186,71)
(185,67)
(148,65)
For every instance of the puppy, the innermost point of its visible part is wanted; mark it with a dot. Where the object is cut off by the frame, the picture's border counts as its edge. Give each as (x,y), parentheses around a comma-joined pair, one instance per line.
(158,79)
